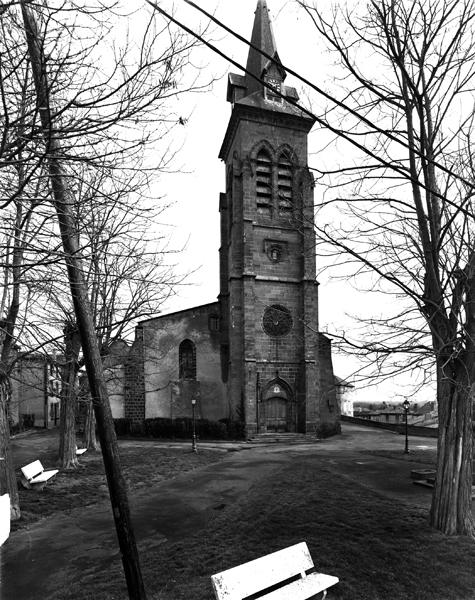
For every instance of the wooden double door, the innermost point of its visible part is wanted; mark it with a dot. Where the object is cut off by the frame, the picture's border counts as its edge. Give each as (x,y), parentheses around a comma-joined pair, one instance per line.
(277,413)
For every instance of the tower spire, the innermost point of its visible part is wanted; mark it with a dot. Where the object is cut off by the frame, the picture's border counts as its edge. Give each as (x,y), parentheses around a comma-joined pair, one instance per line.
(263,39)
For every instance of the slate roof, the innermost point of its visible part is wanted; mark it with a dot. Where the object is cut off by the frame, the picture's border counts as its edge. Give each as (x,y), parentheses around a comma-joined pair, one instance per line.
(342,382)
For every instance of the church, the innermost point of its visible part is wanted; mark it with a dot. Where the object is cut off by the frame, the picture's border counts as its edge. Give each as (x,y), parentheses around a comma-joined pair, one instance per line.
(255,354)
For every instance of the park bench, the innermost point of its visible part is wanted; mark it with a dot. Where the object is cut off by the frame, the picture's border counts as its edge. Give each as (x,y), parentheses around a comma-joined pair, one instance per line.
(288,574)
(80,451)
(4,518)
(34,475)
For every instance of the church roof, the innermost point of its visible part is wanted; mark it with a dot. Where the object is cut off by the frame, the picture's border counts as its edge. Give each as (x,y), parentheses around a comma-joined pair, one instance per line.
(193,309)
(257,100)
(263,38)
(342,382)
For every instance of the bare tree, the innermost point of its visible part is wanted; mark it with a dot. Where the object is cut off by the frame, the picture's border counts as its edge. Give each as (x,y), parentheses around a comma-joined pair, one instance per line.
(107,115)
(69,392)
(20,192)
(11,306)
(84,111)
(405,120)
(62,201)
(128,275)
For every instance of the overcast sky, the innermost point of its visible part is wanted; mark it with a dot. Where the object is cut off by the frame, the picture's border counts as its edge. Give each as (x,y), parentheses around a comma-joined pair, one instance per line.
(193,219)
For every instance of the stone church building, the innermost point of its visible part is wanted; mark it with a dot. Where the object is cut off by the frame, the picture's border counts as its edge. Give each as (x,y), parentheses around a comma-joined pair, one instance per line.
(256,353)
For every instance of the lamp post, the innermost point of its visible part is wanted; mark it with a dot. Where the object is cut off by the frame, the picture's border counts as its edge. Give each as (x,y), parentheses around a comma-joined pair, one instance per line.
(193,444)
(405,406)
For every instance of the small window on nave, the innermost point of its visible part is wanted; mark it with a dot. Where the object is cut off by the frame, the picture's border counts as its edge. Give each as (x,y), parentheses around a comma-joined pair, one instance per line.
(264,183)
(187,360)
(213,322)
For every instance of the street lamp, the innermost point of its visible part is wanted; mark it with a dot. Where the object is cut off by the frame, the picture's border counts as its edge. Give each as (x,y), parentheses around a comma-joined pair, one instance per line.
(405,406)
(193,444)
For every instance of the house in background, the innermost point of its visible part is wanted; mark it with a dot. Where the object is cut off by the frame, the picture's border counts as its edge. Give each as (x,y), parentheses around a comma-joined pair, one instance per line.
(36,388)
(344,395)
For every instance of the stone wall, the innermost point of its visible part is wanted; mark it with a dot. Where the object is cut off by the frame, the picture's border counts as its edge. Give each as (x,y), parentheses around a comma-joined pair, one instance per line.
(252,279)
(152,371)
(329,418)
(114,373)
(134,382)
(115,380)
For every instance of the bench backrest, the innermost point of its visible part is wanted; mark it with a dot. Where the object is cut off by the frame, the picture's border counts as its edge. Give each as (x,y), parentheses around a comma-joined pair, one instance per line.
(4,518)
(33,469)
(262,573)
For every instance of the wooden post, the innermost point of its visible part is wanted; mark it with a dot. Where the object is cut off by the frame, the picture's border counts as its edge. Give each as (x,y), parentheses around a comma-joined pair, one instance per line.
(63,203)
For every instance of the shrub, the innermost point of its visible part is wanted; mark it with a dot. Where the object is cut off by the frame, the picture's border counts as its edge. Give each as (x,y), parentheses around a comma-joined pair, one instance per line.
(122,427)
(235,429)
(14,428)
(181,428)
(27,420)
(137,428)
(158,427)
(212,430)
(327,430)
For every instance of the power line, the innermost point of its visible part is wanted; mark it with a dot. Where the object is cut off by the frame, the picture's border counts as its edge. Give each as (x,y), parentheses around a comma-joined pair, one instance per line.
(340,133)
(275,91)
(320,91)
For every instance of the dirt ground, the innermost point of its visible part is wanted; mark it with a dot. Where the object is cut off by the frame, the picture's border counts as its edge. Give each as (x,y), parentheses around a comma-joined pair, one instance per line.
(166,510)
(143,465)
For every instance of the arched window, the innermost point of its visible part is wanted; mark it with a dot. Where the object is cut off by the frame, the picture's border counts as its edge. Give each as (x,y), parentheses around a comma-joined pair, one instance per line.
(187,360)
(264,182)
(284,183)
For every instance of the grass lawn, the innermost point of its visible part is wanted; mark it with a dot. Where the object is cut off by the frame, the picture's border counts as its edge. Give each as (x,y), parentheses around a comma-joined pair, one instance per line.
(142,464)
(378,547)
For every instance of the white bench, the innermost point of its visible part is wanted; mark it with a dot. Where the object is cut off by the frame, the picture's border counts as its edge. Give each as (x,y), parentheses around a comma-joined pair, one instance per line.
(288,574)
(80,451)
(34,475)
(4,518)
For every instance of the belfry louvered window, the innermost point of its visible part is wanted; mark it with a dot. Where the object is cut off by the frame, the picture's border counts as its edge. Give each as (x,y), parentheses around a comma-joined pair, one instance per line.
(264,183)
(284,184)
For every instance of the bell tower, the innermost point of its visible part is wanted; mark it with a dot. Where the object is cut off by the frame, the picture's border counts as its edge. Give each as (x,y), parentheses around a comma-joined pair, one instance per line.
(276,365)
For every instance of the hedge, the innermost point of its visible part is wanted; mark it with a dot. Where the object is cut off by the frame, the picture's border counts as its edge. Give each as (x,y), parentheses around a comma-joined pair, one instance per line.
(181,428)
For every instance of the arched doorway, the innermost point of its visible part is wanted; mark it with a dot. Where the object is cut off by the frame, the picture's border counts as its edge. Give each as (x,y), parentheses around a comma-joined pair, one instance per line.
(277,412)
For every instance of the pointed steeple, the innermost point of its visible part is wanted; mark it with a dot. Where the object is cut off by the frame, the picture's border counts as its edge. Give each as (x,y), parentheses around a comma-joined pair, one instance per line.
(262,38)
(248,96)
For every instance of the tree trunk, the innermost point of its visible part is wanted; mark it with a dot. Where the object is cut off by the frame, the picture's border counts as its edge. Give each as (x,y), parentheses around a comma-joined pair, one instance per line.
(64,202)
(67,420)
(90,438)
(8,481)
(451,501)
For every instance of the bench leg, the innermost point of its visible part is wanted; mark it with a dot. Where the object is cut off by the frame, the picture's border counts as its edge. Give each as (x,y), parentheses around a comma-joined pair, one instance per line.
(32,486)
(25,483)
